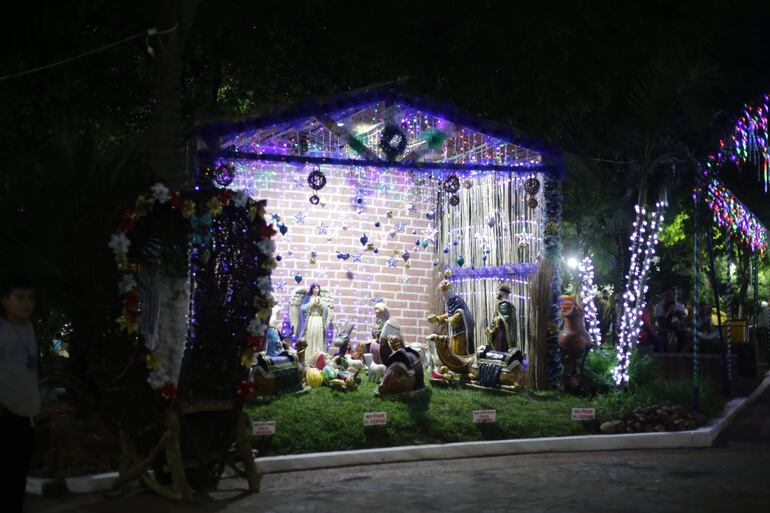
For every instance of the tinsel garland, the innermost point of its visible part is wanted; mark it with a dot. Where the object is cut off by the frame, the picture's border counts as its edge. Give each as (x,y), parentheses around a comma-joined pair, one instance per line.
(552,248)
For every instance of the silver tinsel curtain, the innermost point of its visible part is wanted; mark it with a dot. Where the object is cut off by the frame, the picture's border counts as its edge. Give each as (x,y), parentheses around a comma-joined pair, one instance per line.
(493,219)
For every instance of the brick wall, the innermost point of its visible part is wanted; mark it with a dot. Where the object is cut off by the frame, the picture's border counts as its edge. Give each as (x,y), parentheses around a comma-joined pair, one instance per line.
(353,284)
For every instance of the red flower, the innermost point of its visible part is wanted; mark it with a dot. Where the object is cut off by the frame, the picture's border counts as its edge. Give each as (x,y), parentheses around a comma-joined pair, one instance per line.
(126,222)
(266,231)
(224,197)
(245,390)
(131,302)
(256,343)
(168,391)
(176,200)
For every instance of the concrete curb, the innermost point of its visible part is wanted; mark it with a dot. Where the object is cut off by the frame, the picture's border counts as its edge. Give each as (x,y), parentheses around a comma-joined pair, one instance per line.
(702,437)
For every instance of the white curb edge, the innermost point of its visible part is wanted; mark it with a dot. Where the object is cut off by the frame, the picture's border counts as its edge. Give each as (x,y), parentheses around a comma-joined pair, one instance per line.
(702,437)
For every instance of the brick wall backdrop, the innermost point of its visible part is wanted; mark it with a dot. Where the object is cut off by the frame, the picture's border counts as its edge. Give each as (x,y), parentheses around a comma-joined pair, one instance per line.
(353,284)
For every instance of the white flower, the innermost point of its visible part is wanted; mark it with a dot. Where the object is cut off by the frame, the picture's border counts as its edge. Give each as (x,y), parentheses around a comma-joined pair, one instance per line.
(119,243)
(240,198)
(158,378)
(160,192)
(264,285)
(266,246)
(257,328)
(127,284)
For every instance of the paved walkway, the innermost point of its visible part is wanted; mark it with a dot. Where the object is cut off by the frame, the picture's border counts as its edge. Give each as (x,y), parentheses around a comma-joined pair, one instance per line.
(732,477)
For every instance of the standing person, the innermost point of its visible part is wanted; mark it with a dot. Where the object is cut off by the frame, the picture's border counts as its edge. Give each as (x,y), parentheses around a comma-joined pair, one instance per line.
(648,335)
(19,392)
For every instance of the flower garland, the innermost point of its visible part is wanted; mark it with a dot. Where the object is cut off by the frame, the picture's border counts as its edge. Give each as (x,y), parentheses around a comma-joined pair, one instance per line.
(163,360)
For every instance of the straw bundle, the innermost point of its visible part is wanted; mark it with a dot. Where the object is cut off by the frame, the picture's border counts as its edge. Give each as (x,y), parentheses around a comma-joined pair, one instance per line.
(541,299)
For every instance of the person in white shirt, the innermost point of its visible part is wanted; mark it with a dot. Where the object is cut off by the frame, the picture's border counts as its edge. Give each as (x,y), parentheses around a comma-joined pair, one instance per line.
(19,392)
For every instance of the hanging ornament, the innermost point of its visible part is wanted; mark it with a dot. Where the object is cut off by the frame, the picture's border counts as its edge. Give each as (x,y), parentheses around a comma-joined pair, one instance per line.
(454,200)
(531,186)
(224,174)
(312,260)
(278,258)
(523,244)
(425,243)
(451,184)
(343,256)
(377,224)
(407,265)
(484,258)
(460,261)
(532,202)
(429,216)
(491,222)
(390,214)
(455,242)
(370,247)
(375,250)
(405,255)
(298,278)
(446,250)
(467,184)
(283,229)
(317,181)
(364,240)
(417,242)
(392,142)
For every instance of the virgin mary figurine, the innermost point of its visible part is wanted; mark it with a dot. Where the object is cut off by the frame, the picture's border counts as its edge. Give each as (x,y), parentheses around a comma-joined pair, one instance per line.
(313,314)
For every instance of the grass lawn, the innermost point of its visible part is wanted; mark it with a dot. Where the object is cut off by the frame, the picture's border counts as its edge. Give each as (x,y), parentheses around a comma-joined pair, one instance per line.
(325,420)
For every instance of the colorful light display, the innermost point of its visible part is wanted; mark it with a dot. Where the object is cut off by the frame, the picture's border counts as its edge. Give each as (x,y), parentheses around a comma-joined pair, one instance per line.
(749,140)
(730,213)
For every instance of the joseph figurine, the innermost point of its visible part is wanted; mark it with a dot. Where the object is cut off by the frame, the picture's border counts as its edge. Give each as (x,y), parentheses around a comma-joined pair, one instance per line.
(501,334)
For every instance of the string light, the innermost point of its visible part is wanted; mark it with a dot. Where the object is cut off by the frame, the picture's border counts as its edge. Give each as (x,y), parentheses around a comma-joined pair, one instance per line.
(749,140)
(730,213)
(644,238)
(589,294)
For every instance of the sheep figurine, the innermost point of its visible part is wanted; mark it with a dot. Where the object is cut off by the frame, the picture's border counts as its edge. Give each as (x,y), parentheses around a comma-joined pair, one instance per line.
(376,370)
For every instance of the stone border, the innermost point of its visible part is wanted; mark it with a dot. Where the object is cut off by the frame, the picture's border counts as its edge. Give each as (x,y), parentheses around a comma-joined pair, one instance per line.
(702,437)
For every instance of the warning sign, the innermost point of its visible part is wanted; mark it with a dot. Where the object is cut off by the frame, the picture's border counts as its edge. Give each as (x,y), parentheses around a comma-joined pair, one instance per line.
(583,413)
(375,418)
(263,428)
(484,416)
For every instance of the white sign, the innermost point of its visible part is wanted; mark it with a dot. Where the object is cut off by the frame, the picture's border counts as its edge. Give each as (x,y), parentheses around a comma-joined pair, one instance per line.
(583,413)
(482,416)
(263,428)
(375,418)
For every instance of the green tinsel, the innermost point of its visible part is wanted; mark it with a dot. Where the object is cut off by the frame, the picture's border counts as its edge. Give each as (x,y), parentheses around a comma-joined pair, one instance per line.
(434,138)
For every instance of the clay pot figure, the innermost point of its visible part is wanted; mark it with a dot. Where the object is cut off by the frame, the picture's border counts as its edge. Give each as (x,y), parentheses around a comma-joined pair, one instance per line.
(574,338)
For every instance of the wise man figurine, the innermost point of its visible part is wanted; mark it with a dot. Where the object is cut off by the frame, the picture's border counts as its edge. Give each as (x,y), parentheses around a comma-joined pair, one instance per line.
(501,333)
(459,319)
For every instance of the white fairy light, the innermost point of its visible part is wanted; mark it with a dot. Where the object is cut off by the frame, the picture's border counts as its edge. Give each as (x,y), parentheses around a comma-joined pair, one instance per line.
(589,294)
(642,248)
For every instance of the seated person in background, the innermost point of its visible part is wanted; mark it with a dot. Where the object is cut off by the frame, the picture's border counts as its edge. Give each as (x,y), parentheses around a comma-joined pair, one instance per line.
(669,316)
(648,336)
(708,334)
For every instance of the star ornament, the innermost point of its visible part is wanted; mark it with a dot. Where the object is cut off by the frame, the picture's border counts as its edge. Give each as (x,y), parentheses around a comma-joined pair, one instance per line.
(299,217)
(356,256)
(392,262)
(322,229)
